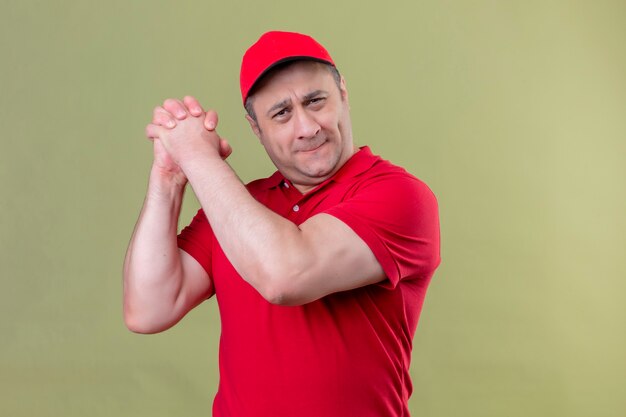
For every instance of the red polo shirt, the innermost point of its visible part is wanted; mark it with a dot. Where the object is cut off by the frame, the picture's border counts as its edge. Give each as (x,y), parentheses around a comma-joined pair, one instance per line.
(348,353)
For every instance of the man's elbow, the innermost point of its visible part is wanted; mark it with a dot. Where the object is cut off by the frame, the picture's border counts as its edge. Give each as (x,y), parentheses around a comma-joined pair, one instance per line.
(137,328)
(285,289)
(141,324)
(283,298)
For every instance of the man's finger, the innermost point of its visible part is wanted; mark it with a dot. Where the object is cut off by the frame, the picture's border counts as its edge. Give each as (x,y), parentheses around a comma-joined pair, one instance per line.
(162,117)
(210,120)
(193,106)
(225,148)
(153,131)
(176,108)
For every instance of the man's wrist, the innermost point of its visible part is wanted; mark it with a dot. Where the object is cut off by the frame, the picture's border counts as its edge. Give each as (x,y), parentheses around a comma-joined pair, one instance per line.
(164,184)
(201,162)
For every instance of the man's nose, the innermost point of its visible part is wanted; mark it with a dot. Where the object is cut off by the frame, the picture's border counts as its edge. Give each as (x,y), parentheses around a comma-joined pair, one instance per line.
(305,125)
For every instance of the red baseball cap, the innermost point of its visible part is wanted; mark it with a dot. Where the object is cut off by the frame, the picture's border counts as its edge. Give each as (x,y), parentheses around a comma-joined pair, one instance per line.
(274,48)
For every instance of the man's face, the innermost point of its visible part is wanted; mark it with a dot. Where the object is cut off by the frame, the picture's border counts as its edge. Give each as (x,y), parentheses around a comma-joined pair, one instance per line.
(303,122)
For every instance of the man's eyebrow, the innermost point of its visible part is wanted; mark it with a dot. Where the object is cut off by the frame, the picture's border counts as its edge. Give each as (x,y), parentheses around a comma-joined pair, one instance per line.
(279,105)
(286,101)
(313,94)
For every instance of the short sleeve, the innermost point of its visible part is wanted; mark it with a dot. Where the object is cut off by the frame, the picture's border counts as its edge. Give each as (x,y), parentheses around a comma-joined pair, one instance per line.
(396,215)
(197,240)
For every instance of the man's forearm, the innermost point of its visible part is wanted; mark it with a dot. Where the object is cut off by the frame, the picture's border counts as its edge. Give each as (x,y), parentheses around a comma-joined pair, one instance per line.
(152,267)
(267,250)
(257,241)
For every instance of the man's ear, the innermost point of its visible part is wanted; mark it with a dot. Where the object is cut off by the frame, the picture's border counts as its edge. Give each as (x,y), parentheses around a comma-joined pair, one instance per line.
(344,92)
(342,88)
(254,125)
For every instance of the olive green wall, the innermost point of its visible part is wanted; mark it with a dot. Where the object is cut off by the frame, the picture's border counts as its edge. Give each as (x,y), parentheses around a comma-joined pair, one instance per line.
(513,112)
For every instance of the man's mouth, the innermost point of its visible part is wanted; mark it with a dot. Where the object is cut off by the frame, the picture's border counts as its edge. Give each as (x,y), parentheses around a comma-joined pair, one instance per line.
(313,148)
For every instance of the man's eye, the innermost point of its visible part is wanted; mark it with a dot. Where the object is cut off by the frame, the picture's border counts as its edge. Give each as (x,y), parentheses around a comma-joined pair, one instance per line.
(281,113)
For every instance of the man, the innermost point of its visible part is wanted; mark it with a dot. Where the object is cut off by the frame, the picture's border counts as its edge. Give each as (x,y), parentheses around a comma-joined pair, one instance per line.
(320,270)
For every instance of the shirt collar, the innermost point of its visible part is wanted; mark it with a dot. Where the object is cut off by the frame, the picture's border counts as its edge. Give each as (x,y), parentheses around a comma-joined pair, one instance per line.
(274,181)
(358,163)
(361,161)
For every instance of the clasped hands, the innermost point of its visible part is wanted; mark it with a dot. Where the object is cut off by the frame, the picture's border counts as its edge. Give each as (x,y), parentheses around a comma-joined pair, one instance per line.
(184,131)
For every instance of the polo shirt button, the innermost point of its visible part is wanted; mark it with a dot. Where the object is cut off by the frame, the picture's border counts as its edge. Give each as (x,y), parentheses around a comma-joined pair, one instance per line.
(296,208)
(286,184)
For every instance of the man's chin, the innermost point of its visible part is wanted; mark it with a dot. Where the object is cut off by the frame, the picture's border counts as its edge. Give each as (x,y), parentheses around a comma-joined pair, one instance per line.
(318,172)
(318,164)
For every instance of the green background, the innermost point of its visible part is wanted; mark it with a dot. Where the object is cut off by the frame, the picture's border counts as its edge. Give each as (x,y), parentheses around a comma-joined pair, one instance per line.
(513,112)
